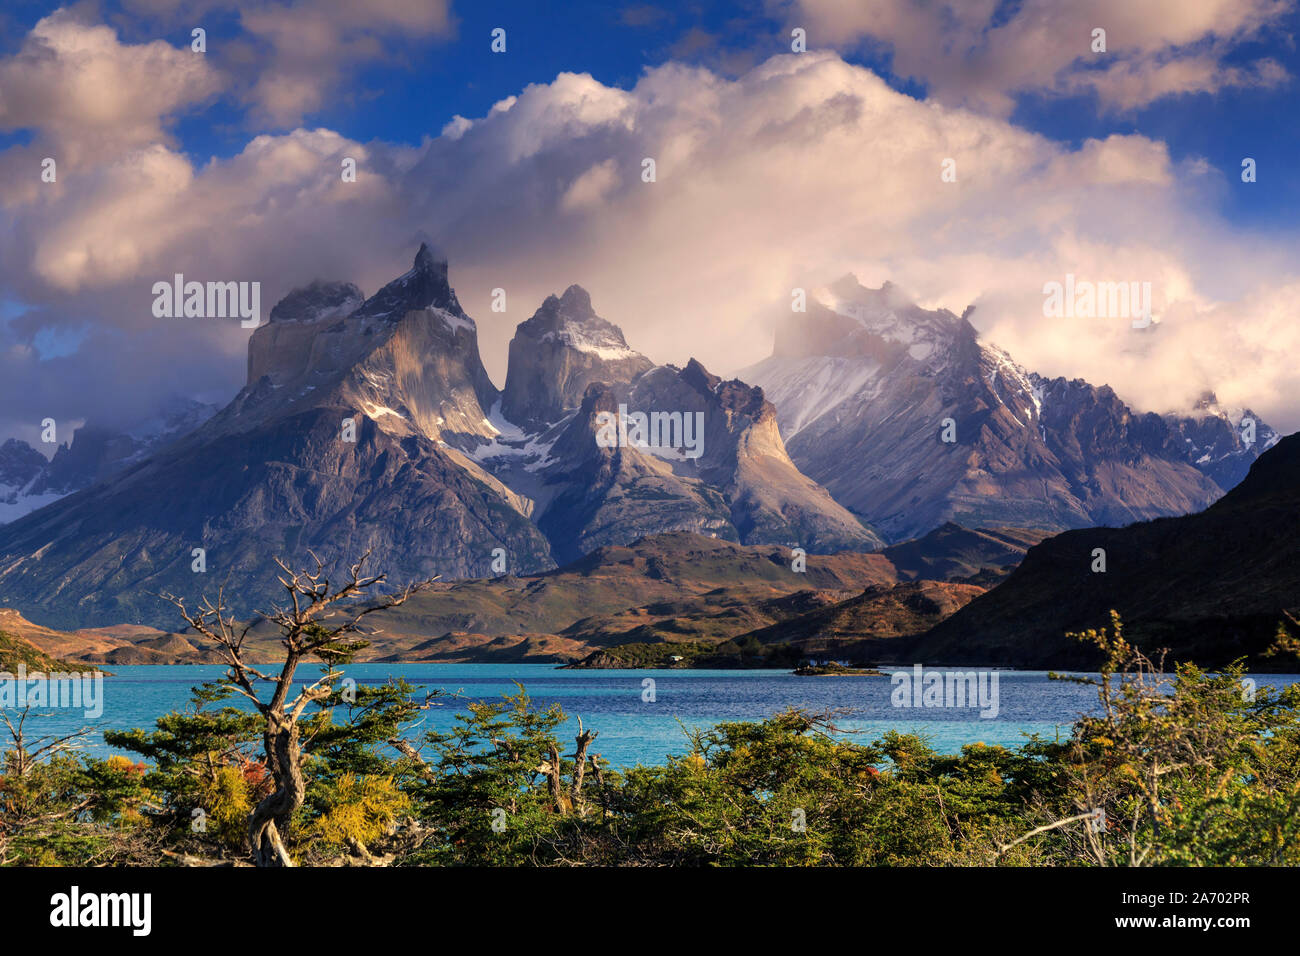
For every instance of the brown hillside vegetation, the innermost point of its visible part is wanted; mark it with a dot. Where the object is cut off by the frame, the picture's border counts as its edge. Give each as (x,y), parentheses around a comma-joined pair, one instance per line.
(667,588)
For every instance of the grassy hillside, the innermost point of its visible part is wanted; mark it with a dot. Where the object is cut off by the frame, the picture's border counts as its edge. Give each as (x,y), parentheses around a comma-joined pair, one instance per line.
(951,551)
(14,651)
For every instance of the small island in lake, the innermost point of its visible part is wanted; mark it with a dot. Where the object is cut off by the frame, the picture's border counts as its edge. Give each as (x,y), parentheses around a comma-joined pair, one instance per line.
(833,669)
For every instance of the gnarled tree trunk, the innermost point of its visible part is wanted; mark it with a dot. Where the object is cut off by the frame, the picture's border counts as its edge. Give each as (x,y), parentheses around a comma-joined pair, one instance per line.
(273,814)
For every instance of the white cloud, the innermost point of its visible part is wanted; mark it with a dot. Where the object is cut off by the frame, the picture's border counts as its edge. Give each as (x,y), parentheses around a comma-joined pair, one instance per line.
(313,42)
(974,52)
(87,94)
(591,186)
(801,169)
(294,57)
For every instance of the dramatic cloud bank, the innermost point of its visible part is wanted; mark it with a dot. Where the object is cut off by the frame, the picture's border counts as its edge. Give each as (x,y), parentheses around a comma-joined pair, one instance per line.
(992,51)
(797,171)
(292,56)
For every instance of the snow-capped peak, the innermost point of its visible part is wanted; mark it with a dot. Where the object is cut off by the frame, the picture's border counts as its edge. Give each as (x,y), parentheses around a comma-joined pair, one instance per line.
(571,320)
(884,312)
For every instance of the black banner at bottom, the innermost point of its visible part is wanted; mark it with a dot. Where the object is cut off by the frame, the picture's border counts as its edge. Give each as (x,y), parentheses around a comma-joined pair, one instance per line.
(146,907)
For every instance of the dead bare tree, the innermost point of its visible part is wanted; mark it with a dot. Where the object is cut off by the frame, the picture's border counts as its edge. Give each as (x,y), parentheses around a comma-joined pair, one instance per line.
(319,621)
(564,799)
(25,753)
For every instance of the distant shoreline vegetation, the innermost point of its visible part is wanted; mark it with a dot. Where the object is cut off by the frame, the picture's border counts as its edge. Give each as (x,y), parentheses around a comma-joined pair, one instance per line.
(732,654)
(736,654)
(834,669)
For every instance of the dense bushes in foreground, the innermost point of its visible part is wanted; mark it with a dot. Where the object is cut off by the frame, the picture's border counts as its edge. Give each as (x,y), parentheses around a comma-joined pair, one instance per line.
(1185,768)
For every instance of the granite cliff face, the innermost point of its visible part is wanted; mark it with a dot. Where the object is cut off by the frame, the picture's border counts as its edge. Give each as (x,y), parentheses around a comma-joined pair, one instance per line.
(557,353)
(710,459)
(346,439)
(865,382)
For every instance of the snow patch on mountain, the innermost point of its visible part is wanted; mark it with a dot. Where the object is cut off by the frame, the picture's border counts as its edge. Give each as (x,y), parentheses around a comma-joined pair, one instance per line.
(868,378)
(455,322)
(513,445)
(803,390)
(592,341)
(376,412)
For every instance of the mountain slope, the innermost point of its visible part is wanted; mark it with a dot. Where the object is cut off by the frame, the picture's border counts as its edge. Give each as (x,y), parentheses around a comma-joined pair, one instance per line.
(17,651)
(687,587)
(1209,586)
(937,575)
(868,627)
(675,583)
(96,453)
(663,588)
(951,551)
(124,644)
(865,383)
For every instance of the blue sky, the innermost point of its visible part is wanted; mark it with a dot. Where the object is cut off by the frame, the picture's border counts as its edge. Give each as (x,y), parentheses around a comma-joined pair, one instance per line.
(426,81)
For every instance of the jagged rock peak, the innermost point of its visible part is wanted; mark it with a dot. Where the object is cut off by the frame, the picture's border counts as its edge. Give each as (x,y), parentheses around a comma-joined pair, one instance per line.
(698,377)
(571,319)
(733,395)
(848,286)
(319,300)
(425,286)
(848,296)
(425,259)
(846,318)
(19,463)
(576,302)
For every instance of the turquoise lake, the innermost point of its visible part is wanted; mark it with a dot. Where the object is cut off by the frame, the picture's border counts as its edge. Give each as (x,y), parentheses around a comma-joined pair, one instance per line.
(633,730)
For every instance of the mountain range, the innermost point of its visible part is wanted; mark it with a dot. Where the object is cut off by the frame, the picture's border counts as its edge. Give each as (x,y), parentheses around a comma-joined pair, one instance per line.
(866,377)
(370,423)
(28,480)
